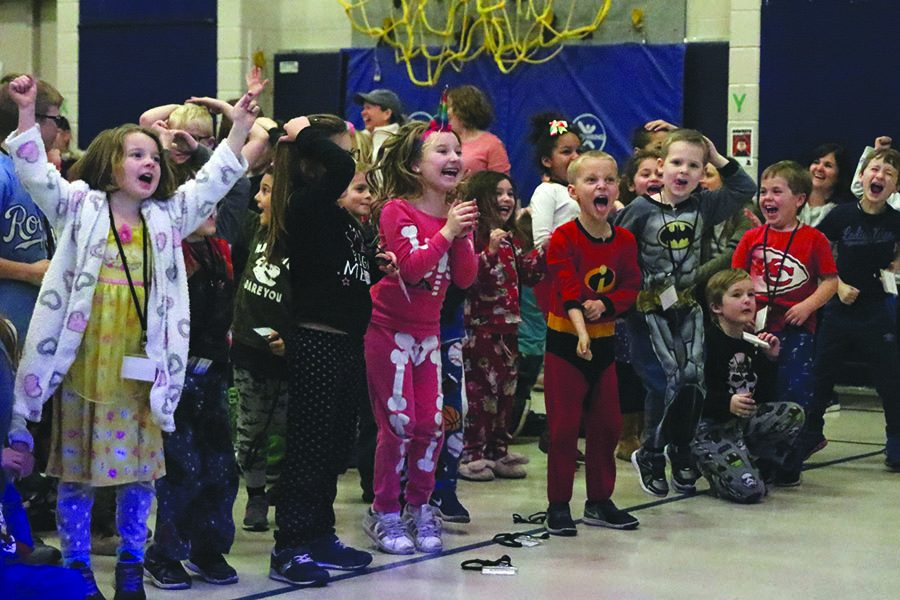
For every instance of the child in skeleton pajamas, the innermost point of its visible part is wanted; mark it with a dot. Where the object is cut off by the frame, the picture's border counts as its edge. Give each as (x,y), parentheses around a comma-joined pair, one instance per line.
(745,433)
(432,241)
(666,330)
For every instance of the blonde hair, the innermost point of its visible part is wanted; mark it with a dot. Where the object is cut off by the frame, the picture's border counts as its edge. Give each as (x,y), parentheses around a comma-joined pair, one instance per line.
(688,136)
(191,114)
(719,283)
(575,166)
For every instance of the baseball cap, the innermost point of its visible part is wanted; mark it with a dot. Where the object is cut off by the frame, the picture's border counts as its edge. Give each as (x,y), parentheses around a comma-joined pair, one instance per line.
(384,98)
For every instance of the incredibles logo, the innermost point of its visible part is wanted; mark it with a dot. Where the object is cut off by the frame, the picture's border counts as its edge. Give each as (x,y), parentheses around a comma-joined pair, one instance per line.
(677,235)
(601,280)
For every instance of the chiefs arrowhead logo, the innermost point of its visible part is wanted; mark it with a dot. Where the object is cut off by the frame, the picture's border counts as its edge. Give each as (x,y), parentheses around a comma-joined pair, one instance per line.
(601,280)
(783,273)
(677,235)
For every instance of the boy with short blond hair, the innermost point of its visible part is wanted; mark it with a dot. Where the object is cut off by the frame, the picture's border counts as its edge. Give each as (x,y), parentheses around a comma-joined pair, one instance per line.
(863,315)
(594,275)
(744,433)
(666,330)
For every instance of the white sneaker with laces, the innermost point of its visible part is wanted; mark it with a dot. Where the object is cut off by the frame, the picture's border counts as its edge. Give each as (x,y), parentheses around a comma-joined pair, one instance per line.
(388,531)
(425,527)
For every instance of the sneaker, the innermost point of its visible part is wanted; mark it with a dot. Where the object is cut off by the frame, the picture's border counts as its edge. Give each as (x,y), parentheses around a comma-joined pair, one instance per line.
(559,520)
(296,567)
(130,581)
(787,478)
(213,569)
(684,474)
(651,470)
(165,573)
(256,515)
(424,526)
(509,467)
(330,553)
(814,446)
(92,592)
(42,554)
(448,506)
(833,405)
(892,464)
(388,531)
(477,470)
(605,513)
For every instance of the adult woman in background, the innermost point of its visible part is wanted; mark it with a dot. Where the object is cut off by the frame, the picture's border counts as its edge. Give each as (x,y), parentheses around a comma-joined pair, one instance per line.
(470,114)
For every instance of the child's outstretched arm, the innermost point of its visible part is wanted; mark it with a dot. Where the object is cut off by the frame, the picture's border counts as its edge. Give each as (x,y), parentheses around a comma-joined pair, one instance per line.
(157,113)
(46,186)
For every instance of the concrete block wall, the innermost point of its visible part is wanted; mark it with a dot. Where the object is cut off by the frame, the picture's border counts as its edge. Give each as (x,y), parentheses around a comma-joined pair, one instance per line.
(743,75)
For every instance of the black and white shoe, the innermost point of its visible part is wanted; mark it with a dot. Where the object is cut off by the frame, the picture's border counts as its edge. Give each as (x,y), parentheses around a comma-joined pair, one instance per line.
(684,473)
(559,520)
(651,470)
(604,513)
(296,567)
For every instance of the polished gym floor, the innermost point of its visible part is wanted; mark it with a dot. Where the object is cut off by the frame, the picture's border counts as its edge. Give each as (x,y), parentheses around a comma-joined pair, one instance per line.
(836,536)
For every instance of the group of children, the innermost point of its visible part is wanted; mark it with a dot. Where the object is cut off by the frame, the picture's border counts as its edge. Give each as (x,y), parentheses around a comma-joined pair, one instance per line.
(373,303)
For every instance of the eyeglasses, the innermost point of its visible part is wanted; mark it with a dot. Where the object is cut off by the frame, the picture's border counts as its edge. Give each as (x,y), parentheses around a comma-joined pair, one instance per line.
(58,120)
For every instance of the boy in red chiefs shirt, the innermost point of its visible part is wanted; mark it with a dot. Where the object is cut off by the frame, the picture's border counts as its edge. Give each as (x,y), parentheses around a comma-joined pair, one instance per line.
(595,278)
(794,274)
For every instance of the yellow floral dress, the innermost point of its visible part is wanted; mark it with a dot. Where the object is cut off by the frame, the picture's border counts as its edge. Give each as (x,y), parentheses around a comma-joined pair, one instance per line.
(102,431)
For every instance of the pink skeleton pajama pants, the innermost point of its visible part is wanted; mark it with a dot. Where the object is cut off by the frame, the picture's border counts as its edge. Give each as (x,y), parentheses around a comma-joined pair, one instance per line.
(404,374)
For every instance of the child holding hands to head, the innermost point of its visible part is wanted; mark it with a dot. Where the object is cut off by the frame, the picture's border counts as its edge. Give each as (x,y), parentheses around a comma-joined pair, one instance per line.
(432,239)
(593,270)
(745,433)
(666,330)
(112,326)
(492,316)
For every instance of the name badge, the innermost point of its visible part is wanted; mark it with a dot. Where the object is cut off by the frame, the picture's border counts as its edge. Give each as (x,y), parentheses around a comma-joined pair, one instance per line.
(138,368)
(761,316)
(889,282)
(668,297)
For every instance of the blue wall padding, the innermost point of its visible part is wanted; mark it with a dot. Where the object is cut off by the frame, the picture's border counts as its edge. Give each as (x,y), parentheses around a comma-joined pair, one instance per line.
(623,86)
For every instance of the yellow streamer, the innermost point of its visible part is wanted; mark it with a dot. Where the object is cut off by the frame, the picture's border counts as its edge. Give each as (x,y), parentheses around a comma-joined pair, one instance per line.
(512,32)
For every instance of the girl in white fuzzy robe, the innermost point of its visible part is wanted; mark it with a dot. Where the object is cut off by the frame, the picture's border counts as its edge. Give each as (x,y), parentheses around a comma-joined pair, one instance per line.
(92,309)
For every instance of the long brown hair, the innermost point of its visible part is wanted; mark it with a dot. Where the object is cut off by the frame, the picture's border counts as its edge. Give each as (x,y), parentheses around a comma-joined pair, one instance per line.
(393,175)
(291,170)
(8,340)
(104,158)
(482,187)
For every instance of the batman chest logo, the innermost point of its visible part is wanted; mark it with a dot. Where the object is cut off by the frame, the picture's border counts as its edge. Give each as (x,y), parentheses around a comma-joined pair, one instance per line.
(676,235)
(601,280)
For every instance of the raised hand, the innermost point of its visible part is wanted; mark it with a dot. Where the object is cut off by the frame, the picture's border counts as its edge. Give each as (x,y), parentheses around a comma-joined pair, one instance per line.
(882,142)
(715,158)
(497,237)
(23,91)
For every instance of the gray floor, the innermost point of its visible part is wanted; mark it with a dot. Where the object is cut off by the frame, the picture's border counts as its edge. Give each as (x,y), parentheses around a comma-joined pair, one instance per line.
(836,536)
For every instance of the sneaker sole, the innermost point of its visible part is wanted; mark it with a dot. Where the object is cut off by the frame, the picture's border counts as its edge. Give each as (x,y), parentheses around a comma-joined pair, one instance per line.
(227,581)
(381,548)
(644,487)
(343,567)
(257,528)
(165,586)
(599,523)
(275,575)
(453,518)
(562,532)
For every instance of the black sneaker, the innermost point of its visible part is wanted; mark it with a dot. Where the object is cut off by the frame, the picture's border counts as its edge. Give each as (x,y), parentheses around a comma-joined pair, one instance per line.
(448,505)
(787,478)
(130,581)
(684,473)
(605,513)
(330,553)
(256,515)
(165,573)
(559,520)
(92,592)
(892,464)
(213,569)
(296,567)
(651,470)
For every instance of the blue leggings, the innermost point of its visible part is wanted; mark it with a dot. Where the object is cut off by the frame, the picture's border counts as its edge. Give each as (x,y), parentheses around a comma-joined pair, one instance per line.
(73,519)
(454,390)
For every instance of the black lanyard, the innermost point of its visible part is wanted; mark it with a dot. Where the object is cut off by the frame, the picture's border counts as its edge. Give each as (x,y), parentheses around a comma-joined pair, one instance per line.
(773,290)
(142,314)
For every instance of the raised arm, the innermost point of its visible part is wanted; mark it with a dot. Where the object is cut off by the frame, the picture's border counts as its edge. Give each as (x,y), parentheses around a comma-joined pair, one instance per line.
(157,113)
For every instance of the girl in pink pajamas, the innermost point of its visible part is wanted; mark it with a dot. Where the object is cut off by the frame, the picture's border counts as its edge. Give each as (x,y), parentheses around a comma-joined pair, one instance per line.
(432,240)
